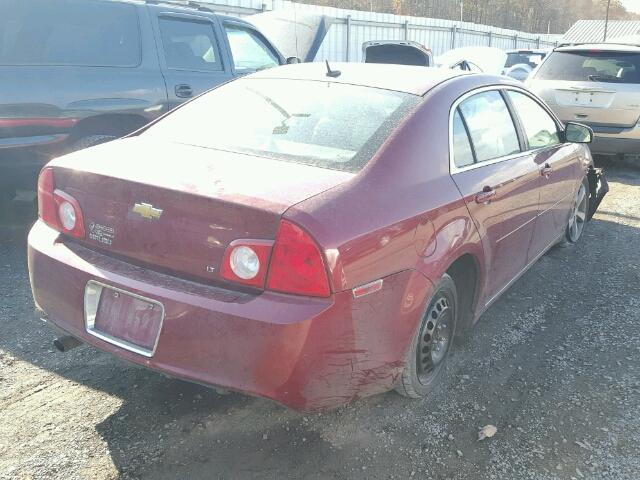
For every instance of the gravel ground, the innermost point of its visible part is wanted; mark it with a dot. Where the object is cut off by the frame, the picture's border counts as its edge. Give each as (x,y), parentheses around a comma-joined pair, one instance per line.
(554,365)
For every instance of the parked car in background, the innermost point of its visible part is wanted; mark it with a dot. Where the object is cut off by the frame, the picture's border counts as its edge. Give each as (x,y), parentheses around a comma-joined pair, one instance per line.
(323,240)
(397,52)
(76,73)
(488,60)
(520,63)
(598,85)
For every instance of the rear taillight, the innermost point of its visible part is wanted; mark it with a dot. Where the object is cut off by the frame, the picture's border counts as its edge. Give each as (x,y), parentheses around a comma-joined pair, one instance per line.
(58,209)
(293,264)
(46,204)
(297,265)
(247,261)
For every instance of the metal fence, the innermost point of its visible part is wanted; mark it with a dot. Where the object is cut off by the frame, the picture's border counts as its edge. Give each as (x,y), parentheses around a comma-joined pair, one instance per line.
(353,27)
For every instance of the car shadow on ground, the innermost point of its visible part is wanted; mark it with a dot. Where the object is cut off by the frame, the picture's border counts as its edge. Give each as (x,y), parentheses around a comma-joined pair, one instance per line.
(166,428)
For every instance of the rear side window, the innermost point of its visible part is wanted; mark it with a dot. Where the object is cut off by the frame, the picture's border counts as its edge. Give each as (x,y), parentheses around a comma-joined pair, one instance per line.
(594,66)
(541,130)
(324,124)
(69,32)
(249,52)
(490,125)
(189,45)
(462,152)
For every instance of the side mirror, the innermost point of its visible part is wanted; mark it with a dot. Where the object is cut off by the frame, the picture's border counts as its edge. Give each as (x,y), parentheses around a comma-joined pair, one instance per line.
(578,133)
(292,60)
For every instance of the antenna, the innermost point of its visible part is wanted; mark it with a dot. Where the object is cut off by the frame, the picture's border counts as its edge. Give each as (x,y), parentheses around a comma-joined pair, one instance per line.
(332,73)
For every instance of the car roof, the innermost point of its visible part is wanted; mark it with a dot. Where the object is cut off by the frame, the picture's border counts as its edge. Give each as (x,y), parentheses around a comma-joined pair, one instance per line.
(187,5)
(415,80)
(605,47)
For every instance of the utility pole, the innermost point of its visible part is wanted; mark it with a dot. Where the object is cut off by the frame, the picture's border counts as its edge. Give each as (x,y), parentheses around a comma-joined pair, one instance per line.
(461,9)
(606,22)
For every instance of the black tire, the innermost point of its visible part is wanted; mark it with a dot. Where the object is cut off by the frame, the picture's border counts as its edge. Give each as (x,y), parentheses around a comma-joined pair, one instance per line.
(90,141)
(578,216)
(425,362)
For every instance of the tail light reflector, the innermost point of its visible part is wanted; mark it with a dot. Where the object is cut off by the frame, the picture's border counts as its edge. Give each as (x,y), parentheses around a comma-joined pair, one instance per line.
(58,209)
(297,265)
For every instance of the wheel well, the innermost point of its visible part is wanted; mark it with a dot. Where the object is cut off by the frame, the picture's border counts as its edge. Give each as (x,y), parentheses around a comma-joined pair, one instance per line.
(116,125)
(464,272)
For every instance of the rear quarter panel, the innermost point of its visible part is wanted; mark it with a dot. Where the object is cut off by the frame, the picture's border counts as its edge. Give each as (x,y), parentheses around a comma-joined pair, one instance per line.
(403,210)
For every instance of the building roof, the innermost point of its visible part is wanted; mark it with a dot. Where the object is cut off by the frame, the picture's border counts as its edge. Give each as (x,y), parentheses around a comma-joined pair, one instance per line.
(402,78)
(592,31)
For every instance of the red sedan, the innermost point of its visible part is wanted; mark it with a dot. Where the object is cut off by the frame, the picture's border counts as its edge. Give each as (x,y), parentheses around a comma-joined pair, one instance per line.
(309,235)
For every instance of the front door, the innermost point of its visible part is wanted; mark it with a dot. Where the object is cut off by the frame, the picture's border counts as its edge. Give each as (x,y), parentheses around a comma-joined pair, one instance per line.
(558,167)
(190,55)
(499,184)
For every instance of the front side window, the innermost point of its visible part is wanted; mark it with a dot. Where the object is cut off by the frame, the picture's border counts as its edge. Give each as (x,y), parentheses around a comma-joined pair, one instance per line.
(541,130)
(592,66)
(249,52)
(189,45)
(490,125)
(69,32)
(324,124)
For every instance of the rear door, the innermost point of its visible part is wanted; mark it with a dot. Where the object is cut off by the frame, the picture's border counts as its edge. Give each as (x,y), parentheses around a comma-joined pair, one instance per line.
(558,164)
(498,181)
(597,87)
(190,54)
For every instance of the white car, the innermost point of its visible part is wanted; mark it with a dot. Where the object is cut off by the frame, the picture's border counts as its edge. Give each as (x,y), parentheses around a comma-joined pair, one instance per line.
(597,85)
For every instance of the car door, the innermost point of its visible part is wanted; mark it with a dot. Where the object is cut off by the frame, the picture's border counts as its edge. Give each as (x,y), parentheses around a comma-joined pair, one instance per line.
(558,165)
(190,54)
(499,183)
(250,51)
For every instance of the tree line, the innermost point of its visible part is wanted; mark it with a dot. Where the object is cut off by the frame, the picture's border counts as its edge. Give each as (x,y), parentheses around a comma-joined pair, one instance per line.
(535,16)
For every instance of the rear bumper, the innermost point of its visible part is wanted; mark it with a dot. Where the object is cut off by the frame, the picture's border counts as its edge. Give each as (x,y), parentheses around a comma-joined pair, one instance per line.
(21,160)
(305,353)
(613,145)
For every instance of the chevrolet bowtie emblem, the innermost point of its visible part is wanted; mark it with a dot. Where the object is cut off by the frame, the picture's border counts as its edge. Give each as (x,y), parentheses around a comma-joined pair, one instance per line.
(146,210)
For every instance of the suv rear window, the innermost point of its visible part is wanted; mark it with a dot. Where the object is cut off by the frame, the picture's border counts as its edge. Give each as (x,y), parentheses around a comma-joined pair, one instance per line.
(69,32)
(595,66)
(324,124)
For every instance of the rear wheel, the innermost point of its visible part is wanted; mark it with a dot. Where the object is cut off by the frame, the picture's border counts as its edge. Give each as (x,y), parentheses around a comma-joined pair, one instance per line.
(432,343)
(578,215)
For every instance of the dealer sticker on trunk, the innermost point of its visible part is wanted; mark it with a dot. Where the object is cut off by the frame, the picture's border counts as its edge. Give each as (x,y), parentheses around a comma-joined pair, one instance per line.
(101,233)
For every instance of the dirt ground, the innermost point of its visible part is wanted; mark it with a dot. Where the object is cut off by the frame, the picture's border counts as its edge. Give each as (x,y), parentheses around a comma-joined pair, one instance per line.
(554,365)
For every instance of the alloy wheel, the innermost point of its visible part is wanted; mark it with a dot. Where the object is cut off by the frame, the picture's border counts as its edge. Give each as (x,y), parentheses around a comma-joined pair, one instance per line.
(578,215)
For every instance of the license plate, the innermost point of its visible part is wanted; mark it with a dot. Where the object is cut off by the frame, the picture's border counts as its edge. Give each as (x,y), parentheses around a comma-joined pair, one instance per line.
(122,318)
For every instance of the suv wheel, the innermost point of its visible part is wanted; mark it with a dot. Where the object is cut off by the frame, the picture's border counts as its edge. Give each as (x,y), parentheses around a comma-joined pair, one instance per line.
(90,141)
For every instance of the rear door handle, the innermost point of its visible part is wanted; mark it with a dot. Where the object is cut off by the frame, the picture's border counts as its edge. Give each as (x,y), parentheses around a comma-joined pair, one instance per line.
(485,196)
(546,171)
(184,91)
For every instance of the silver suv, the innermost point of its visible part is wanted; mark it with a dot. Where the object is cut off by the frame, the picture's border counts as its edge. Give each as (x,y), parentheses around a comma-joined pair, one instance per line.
(597,85)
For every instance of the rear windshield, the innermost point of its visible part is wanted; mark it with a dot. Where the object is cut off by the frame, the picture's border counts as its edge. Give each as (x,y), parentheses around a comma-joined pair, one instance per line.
(527,58)
(68,32)
(329,125)
(595,66)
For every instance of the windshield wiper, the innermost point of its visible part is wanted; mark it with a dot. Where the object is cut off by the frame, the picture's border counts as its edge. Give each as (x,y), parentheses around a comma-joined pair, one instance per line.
(604,78)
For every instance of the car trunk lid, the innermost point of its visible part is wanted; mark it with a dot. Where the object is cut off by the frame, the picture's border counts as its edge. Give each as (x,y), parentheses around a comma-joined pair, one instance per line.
(175,207)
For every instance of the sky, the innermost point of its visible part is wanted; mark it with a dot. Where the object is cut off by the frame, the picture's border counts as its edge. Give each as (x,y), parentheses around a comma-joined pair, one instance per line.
(632,5)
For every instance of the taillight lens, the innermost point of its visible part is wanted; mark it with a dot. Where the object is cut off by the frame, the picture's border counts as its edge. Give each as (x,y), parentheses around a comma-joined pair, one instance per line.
(296,264)
(46,204)
(246,262)
(58,209)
